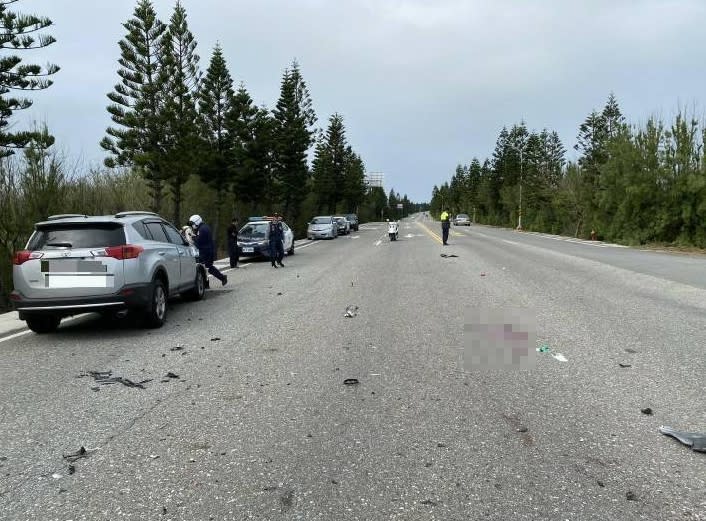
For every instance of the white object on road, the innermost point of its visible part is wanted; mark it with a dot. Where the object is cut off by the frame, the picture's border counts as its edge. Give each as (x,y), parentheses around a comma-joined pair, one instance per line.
(560,357)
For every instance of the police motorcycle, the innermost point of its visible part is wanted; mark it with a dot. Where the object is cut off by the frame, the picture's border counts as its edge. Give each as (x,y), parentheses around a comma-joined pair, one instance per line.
(392,229)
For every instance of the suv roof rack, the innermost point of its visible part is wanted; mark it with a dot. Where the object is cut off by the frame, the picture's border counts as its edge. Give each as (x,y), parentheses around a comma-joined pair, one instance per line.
(138,212)
(65,215)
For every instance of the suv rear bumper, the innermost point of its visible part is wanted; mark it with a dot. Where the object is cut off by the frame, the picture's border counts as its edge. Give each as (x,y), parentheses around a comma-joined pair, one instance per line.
(130,296)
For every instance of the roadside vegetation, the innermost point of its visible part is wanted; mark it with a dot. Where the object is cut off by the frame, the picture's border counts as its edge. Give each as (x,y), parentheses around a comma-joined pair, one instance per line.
(182,141)
(632,183)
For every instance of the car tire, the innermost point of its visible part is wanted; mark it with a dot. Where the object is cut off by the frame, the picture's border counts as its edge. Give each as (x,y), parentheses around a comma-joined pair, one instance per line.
(199,290)
(43,324)
(156,313)
(291,250)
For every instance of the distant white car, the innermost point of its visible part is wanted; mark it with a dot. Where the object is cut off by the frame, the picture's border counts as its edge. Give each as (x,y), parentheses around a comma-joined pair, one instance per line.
(322,227)
(462,219)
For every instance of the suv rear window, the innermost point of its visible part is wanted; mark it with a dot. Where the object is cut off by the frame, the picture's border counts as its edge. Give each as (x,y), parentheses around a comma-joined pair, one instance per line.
(75,235)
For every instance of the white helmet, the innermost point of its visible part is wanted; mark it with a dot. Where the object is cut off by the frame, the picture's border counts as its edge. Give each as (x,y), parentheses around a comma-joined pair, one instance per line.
(195,221)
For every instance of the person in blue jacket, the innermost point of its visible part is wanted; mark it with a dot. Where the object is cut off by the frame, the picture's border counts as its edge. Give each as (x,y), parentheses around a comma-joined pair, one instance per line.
(276,237)
(206,246)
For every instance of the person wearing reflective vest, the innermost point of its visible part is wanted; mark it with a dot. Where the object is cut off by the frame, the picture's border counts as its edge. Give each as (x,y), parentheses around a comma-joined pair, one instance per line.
(445,226)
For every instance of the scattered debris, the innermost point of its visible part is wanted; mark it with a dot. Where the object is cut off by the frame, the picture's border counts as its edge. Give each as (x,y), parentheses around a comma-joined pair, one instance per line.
(428,464)
(600,483)
(560,357)
(171,375)
(164,511)
(522,429)
(279,293)
(429,502)
(177,348)
(3,458)
(106,378)
(154,456)
(630,350)
(543,348)
(334,482)
(448,255)
(215,339)
(695,440)
(350,381)
(80,453)
(57,476)
(482,274)
(351,311)
(72,469)
(646,411)
(624,365)
(630,496)
(441,445)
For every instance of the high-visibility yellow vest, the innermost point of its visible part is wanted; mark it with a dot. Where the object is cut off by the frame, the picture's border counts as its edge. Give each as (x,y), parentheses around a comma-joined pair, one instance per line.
(444,216)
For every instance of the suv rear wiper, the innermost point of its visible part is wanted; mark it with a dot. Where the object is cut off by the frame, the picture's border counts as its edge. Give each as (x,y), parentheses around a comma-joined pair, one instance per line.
(60,244)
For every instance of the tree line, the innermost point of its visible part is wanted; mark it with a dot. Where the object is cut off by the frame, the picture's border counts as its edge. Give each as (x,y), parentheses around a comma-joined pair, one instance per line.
(632,183)
(181,141)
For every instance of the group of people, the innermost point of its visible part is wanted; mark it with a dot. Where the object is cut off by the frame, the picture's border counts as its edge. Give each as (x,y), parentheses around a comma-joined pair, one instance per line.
(198,233)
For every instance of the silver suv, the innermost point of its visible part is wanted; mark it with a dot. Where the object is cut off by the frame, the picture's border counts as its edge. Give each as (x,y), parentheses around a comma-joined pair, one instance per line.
(76,264)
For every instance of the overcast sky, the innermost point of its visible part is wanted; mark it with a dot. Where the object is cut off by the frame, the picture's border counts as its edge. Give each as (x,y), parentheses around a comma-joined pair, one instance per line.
(422,85)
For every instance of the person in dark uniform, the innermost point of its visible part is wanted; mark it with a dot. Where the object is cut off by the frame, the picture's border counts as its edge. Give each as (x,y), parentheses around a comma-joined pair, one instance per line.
(445,226)
(232,234)
(206,247)
(276,236)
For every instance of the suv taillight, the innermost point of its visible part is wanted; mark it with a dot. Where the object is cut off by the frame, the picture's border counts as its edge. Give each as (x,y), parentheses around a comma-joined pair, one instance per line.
(128,251)
(23,256)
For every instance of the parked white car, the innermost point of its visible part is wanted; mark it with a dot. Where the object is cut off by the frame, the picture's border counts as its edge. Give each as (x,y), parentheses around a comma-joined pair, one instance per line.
(322,227)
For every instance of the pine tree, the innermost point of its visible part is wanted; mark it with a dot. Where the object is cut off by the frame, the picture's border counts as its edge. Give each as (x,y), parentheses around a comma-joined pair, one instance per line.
(19,34)
(250,163)
(612,117)
(215,101)
(353,182)
(294,120)
(180,83)
(330,165)
(136,101)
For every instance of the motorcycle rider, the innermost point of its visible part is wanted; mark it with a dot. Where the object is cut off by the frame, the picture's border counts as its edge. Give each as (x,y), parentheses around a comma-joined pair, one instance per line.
(206,246)
(276,237)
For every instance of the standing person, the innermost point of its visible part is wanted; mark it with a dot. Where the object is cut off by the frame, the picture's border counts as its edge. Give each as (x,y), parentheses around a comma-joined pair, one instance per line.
(276,241)
(206,246)
(232,234)
(445,226)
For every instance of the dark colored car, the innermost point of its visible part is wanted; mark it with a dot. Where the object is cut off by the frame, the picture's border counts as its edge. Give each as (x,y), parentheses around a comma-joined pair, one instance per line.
(353,219)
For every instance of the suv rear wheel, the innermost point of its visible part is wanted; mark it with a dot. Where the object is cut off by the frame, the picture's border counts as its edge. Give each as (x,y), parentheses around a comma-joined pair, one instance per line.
(199,289)
(43,323)
(157,311)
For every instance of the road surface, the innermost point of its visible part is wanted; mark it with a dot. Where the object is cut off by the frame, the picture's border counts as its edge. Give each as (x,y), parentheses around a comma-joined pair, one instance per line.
(260,425)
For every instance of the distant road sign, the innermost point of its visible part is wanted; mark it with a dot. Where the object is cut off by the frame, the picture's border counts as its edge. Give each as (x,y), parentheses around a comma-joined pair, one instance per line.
(400,206)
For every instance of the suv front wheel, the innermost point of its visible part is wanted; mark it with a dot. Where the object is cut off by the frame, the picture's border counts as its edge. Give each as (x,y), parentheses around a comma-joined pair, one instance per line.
(43,323)
(157,311)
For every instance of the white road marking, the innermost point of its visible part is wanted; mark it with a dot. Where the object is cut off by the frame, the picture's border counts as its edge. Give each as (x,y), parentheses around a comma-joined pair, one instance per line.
(21,333)
(511,242)
(379,242)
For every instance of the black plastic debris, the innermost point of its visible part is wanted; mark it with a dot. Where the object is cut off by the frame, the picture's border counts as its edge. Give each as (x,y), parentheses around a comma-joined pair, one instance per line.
(630,496)
(351,311)
(429,502)
(171,375)
(215,339)
(646,411)
(80,453)
(522,429)
(107,378)
(624,365)
(630,350)
(350,381)
(176,348)
(448,255)
(695,440)
(279,293)
(72,469)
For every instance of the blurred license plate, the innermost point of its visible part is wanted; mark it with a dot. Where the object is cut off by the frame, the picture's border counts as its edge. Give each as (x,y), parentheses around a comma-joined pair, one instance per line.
(248,250)
(78,281)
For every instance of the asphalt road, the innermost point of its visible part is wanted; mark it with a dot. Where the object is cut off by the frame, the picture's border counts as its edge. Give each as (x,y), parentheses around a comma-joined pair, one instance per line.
(259,425)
